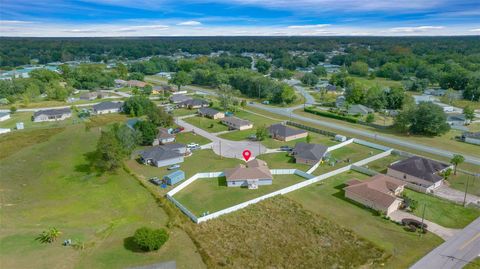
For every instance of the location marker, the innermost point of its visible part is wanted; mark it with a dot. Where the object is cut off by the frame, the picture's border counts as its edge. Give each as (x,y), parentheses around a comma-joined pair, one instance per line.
(246,154)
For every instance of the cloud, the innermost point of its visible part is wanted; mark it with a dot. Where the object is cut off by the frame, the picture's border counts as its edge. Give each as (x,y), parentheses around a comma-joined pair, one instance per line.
(189,23)
(417,29)
(475,30)
(143,27)
(308,26)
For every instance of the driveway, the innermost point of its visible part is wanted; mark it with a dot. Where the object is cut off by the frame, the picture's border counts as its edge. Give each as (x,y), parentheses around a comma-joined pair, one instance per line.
(224,147)
(444,233)
(454,195)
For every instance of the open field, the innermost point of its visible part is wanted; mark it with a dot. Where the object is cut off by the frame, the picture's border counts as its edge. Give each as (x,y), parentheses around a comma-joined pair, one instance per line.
(49,185)
(459,182)
(279,233)
(382,164)
(282,160)
(209,125)
(382,82)
(26,118)
(442,211)
(212,194)
(55,103)
(189,137)
(327,199)
(353,152)
(101,120)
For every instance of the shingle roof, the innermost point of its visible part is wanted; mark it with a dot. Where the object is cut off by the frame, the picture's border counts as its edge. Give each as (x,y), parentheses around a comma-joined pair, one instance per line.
(52,112)
(208,111)
(283,130)
(472,135)
(236,121)
(255,169)
(308,151)
(421,168)
(178,98)
(164,134)
(359,109)
(107,106)
(160,153)
(378,189)
(194,102)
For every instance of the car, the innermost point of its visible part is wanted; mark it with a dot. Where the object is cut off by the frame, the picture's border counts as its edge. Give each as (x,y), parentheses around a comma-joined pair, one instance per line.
(252,137)
(251,102)
(266,102)
(193,145)
(285,148)
(156,181)
(175,166)
(195,148)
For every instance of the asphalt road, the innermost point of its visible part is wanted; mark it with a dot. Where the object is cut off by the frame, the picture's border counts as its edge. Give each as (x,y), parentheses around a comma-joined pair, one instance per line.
(288,112)
(456,252)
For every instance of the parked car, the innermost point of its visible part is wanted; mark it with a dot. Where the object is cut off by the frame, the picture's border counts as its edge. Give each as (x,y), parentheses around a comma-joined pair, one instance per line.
(178,130)
(193,145)
(173,167)
(251,102)
(266,102)
(156,181)
(195,148)
(252,137)
(286,148)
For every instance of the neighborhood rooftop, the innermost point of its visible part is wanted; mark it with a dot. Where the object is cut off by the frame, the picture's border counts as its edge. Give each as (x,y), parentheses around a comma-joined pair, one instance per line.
(255,169)
(236,121)
(52,112)
(107,105)
(208,111)
(164,152)
(420,167)
(309,151)
(283,130)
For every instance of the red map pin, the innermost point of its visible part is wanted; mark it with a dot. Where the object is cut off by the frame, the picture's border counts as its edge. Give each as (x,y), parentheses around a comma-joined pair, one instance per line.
(246,154)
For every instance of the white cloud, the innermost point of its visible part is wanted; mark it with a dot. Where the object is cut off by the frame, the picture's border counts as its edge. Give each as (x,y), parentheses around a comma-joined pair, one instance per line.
(475,30)
(416,29)
(308,26)
(189,23)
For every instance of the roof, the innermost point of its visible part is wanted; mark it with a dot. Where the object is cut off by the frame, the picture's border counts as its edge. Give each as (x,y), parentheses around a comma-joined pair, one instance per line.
(419,167)
(379,189)
(107,106)
(164,134)
(177,98)
(195,102)
(236,121)
(136,83)
(309,151)
(3,114)
(456,117)
(176,174)
(255,169)
(160,153)
(359,109)
(283,130)
(53,112)
(208,111)
(466,134)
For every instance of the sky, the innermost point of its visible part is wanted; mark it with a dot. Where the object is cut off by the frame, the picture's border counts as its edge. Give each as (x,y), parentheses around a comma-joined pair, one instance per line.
(81,18)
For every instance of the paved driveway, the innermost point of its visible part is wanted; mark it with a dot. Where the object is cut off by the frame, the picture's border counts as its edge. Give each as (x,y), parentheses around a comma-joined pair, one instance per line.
(223,147)
(454,195)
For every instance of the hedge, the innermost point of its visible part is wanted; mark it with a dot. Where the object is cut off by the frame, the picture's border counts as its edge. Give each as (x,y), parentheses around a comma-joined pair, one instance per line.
(331,115)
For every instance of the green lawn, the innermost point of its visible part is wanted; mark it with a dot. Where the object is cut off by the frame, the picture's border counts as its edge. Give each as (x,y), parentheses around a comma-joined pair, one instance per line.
(326,198)
(189,137)
(354,152)
(48,184)
(475,264)
(441,211)
(212,194)
(382,164)
(178,112)
(26,118)
(282,161)
(209,125)
(382,82)
(459,182)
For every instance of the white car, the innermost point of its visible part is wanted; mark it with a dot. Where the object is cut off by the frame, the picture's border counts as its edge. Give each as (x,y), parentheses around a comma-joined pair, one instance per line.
(193,145)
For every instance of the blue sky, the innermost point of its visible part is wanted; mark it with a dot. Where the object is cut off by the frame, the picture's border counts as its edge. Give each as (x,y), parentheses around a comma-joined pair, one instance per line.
(238,17)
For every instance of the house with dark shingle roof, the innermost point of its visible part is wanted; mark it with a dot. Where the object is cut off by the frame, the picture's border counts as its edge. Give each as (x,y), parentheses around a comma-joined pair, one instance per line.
(210,113)
(108,107)
(252,175)
(420,173)
(380,192)
(285,133)
(308,153)
(179,98)
(163,137)
(472,138)
(359,110)
(235,123)
(194,103)
(52,114)
(165,155)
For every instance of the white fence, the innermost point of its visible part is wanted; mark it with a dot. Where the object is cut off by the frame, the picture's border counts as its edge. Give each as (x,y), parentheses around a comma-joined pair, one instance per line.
(371,145)
(282,171)
(364,170)
(314,167)
(192,179)
(337,146)
(183,209)
(303,174)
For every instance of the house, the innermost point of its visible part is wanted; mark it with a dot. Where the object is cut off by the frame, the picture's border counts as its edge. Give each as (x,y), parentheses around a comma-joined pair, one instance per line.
(472,138)
(165,155)
(424,98)
(284,133)
(331,88)
(163,137)
(308,153)
(252,175)
(4,116)
(237,123)
(89,96)
(211,113)
(194,103)
(108,107)
(120,83)
(340,101)
(359,110)
(19,126)
(179,98)
(174,177)
(380,192)
(446,108)
(420,173)
(52,114)
(456,120)
(136,83)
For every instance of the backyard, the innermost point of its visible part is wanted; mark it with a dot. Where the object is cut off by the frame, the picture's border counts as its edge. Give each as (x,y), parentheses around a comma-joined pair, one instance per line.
(189,137)
(382,164)
(209,125)
(282,160)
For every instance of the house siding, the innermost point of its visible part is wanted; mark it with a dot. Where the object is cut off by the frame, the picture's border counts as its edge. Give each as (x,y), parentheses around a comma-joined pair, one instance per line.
(305,161)
(470,140)
(107,111)
(386,210)
(244,183)
(42,118)
(169,162)
(414,182)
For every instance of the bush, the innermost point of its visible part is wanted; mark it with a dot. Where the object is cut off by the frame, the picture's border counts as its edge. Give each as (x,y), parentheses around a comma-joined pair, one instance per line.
(149,239)
(331,115)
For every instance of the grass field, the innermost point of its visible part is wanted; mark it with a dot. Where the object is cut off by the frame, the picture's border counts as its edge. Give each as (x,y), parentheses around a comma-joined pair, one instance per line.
(282,161)
(212,194)
(354,152)
(382,164)
(26,118)
(178,112)
(382,82)
(189,137)
(48,185)
(209,125)
(459,182)
(327,200)
(441,211)
(279,233)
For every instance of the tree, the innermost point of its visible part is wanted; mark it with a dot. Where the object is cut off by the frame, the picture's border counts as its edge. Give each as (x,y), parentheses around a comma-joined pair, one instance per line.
(181,78)
(316,57)
(370,118)
(225,96)
(427,119)
(150,239)
(127,137)
(159,117)
(308,139)
(109,153)
(281,74)
(456,161)
(355,94)
(358,68)
(446,174)
(309,79)
(375,98)
(122,71)
(147,90)
(263,66)
(262,133)
(469,113)
(138,105)
(49,236)
(320,71)
(288,95)
(243,103)
(13,109)
(136,76)
(148,130)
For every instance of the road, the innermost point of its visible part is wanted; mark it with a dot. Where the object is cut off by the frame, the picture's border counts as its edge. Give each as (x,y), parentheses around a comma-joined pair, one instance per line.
(288,112)
(456,252)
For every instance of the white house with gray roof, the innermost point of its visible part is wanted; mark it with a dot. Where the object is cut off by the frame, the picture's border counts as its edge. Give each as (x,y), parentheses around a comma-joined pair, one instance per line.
(237,123)
(307,153)
(4,116)
(284,133)
(359,109)
(108,107)
(52,115)
(164,155)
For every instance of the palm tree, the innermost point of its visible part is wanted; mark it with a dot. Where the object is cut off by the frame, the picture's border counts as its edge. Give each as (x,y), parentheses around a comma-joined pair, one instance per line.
(456,160)
(49,236)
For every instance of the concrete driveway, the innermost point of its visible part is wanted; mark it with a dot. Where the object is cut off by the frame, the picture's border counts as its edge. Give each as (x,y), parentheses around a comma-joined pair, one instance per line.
(224,147)
(454,195)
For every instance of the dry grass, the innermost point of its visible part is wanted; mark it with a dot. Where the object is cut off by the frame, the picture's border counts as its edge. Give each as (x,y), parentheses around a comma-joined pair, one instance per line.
(101,120)
(279,233)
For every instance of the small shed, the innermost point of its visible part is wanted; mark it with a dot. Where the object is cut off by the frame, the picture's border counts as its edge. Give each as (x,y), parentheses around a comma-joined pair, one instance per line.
(174,177)
(340,138)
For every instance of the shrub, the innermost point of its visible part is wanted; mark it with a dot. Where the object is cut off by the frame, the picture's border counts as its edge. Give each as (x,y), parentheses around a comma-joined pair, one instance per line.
(150,239)
(331,115)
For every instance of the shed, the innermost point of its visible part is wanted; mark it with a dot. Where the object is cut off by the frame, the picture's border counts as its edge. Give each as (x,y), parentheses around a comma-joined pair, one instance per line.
(175,177)
(340,138)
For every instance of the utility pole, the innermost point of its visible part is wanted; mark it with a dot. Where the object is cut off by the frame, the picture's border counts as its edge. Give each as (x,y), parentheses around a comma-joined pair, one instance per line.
(220,143)
(465,196)
(423,217)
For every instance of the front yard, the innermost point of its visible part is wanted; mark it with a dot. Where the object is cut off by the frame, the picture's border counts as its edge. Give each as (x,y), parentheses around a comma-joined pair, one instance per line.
(459,182)
(209,125)
(282,160)
(189,137)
